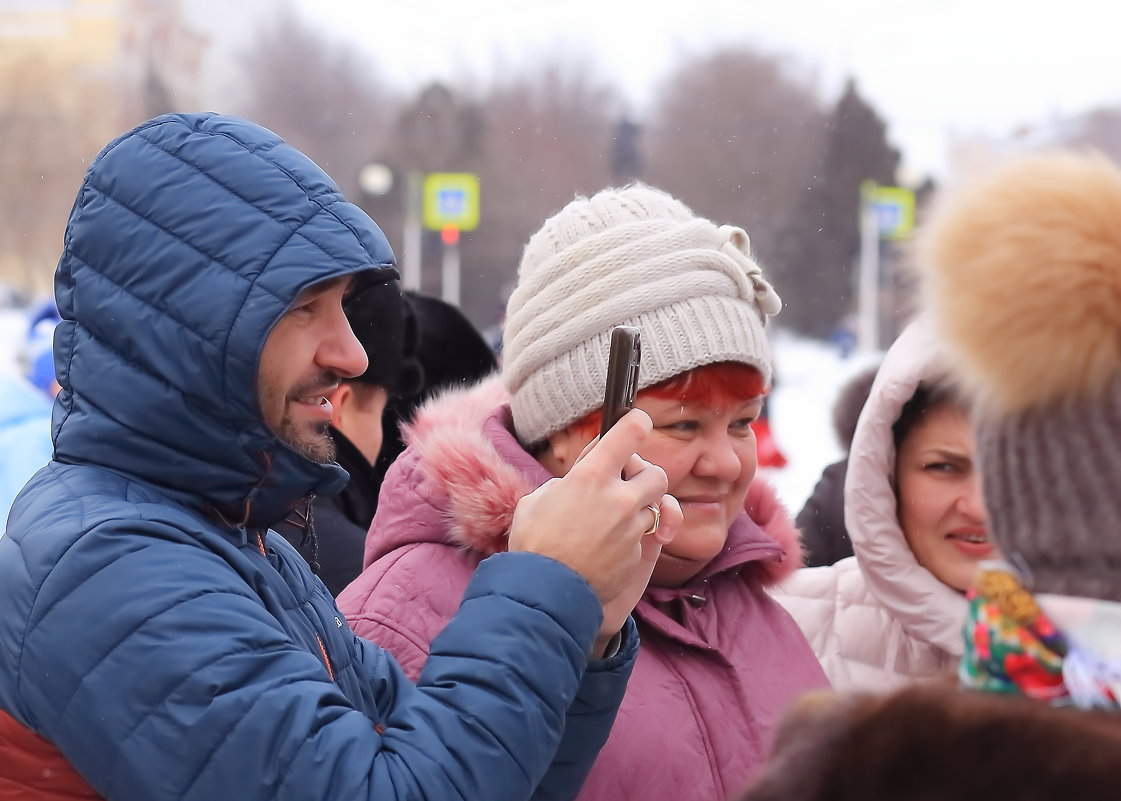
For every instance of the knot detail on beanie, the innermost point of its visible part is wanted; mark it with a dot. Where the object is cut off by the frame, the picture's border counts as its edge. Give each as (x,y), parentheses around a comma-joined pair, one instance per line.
(738,248)
(631,256)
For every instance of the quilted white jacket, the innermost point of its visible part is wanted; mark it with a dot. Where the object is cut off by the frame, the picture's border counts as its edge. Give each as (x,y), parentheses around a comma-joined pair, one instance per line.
(879,618)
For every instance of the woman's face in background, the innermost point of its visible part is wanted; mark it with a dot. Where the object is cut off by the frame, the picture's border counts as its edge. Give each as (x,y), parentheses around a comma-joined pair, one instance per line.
(938,488)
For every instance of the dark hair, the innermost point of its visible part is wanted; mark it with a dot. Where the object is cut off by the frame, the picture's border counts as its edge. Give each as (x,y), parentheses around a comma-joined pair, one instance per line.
(927,397)
(850,402)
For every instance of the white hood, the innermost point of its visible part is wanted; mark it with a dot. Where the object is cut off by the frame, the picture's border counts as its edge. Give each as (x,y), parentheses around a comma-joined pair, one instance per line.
(926,608)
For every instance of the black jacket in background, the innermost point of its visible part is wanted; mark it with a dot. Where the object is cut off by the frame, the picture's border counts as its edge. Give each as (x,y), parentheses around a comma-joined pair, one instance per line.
(822,519)
(340,521)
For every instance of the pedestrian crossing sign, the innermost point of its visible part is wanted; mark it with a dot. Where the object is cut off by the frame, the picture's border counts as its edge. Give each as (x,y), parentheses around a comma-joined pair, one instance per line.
(451,200)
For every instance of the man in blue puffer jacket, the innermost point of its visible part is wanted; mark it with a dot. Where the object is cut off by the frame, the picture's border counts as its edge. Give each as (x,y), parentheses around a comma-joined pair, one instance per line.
(157,640)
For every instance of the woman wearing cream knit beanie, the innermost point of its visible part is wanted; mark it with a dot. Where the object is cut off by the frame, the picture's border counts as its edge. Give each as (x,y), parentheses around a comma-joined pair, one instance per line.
(632,256)
(719,659)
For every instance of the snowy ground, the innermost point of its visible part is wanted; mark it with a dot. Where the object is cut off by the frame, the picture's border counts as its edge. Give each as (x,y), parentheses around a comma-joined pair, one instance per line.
(809,374)
(13,330)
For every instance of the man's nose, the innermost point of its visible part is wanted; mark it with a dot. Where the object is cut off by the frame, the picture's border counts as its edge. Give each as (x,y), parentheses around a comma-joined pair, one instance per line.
(343,353)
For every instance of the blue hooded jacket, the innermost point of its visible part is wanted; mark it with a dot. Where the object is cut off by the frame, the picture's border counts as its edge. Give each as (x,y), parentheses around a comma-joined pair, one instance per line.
(151,627)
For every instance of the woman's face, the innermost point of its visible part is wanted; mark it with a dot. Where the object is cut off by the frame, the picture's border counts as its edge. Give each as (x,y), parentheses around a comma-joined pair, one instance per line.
(708,453)
(939,491)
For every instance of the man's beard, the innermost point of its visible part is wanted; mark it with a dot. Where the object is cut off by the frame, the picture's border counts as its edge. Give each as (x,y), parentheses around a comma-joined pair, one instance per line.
(315,444)
(314,440)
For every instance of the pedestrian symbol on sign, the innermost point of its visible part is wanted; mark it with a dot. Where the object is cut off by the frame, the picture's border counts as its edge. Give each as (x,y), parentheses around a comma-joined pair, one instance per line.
(451,202)
(892,207)
(887,217)
(451,199)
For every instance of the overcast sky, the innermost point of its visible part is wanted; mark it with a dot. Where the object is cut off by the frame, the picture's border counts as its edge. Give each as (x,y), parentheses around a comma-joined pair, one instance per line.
(931,67)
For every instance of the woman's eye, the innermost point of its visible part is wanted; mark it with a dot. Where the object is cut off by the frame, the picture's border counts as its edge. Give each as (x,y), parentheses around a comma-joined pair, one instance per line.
(940,467)
(683,426)
(743,424)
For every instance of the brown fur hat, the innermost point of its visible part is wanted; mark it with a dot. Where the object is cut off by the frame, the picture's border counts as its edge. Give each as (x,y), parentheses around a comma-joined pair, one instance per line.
(1023,272)
(938,742)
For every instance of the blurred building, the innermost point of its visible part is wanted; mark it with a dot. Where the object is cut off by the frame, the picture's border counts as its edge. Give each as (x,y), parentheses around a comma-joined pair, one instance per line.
(73,73)
(118,49)
(969,155)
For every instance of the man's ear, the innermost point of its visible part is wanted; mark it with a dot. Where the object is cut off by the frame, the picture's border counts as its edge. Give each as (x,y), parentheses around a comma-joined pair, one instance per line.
(342,403)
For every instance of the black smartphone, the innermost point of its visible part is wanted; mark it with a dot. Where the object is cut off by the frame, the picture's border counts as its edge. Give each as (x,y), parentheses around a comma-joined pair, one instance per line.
(622,374)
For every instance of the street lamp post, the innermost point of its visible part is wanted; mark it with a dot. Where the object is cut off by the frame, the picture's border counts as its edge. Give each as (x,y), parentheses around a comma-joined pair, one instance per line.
(376,180)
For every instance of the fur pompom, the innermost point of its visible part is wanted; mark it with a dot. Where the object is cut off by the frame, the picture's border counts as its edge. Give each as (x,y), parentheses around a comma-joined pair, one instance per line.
(1022,272)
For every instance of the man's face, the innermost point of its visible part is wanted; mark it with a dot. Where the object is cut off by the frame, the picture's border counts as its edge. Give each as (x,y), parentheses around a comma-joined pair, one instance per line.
(309,351)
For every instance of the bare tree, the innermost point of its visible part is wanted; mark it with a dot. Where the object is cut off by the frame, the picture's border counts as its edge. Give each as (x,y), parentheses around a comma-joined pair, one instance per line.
(547,136)
(320,96)
(48,135)
(735,134)
(821,241)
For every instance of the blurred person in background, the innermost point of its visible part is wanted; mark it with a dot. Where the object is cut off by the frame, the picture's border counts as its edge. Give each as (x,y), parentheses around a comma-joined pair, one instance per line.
(449,352)
(157,639)
(25,408)
(769,453)
(913,510)
(1021,272)
(331,532)
(37,356)
(720,660)
(822,519)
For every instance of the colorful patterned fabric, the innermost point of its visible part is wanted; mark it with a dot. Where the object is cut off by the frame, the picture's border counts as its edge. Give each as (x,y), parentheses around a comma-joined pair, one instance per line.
(1010,644)
(1012,647)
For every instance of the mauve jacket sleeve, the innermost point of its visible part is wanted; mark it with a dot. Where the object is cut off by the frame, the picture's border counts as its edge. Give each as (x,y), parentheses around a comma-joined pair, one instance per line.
(222,704)
(391,607)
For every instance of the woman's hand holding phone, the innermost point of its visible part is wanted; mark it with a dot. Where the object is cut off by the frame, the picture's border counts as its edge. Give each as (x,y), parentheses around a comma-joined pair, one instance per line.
(615,539)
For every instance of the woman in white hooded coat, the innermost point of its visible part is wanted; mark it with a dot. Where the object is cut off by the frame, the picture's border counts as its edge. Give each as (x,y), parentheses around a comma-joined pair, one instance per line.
(894,611)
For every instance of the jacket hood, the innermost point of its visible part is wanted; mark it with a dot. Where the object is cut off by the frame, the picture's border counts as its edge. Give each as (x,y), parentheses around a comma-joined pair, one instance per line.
(474,472)
(925,607)
(190,237)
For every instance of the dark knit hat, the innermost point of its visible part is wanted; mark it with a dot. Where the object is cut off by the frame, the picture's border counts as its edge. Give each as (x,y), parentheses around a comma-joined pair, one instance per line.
(1022,272)
(449,348)
(386,327)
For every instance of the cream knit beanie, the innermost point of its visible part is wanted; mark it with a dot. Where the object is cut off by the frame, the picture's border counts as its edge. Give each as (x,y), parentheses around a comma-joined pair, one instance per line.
(630,256)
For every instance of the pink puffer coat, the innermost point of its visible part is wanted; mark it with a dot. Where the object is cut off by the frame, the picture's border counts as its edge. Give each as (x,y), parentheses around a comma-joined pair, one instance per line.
(719,662)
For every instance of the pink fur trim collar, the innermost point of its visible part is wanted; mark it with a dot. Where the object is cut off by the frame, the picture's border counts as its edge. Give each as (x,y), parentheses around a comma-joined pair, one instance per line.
(458,456)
